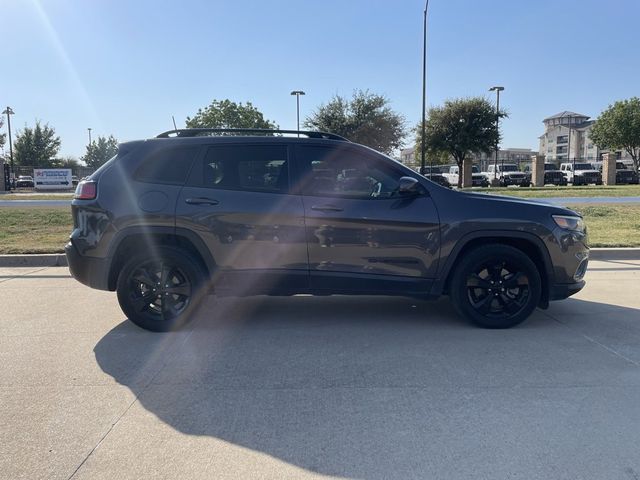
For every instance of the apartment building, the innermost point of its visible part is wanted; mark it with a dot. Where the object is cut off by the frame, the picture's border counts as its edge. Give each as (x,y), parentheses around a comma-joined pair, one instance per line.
(566,137)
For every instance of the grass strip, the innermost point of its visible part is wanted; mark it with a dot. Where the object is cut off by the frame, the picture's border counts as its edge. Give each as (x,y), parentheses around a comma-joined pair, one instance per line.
(551,191)
(34,229)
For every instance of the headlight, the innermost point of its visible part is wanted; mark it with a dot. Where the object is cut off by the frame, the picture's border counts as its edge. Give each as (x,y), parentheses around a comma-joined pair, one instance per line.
(569,222)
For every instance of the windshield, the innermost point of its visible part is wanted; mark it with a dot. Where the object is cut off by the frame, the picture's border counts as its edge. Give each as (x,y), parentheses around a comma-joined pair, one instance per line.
(550,166)
(509,168)
(584,166)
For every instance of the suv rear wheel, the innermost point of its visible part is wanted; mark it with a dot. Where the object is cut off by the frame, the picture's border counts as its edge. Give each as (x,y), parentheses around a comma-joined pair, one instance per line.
(159,290)
(495,286)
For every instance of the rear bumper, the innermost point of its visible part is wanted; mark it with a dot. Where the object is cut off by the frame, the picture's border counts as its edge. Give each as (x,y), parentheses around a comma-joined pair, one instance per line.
(565,290)
(90,271)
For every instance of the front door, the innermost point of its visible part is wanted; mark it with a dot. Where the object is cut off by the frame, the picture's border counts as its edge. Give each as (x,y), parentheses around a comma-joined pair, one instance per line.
(237,199)
(362,234)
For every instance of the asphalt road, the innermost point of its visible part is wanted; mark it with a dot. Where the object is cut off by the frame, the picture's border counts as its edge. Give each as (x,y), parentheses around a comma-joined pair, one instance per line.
(304,387)
(34,203)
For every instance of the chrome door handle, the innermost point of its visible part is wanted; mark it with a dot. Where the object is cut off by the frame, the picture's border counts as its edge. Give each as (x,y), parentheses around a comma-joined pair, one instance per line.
(326,208)
(201,201)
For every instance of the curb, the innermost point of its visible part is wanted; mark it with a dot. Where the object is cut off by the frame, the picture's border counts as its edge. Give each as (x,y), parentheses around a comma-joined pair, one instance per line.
(60,259)
(38,260)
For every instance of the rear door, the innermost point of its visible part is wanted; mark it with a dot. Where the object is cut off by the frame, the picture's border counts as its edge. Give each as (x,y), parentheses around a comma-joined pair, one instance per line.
(361,233)
(237,199)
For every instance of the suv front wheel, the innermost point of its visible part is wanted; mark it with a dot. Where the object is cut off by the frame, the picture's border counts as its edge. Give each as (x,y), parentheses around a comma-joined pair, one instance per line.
(495,286)
(159,290)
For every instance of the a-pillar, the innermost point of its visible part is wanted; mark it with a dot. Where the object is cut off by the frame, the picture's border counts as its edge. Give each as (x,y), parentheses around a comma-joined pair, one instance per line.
(537,170)
(467,172)
(609,168)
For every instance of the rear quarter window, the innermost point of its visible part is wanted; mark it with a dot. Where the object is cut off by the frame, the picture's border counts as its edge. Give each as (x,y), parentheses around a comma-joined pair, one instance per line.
(169,166)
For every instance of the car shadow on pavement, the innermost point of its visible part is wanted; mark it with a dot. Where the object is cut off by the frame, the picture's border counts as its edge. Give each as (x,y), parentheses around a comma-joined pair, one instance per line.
(368,387)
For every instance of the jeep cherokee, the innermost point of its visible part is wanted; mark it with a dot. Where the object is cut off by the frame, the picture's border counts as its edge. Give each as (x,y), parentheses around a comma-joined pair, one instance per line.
(190,212)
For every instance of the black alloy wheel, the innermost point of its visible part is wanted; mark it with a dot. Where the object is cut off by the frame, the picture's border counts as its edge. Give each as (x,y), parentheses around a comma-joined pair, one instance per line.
(158,292)
(496,286)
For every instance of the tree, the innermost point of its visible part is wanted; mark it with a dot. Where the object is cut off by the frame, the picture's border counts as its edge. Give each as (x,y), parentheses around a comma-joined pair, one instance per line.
(36,147)
(99,151)
(460,127)
(228,114)
(367,119)
(3,136)
(437,158)
(618,127)
(67,162)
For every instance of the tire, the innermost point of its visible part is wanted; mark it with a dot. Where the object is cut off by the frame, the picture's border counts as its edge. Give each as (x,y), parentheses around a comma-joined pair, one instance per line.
(495,305)
(156,305)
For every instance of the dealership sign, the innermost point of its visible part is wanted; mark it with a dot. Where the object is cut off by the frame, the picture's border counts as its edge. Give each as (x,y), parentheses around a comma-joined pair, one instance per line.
(52,178)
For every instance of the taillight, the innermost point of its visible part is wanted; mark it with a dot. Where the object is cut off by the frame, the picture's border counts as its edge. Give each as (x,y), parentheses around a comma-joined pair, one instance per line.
(86,190)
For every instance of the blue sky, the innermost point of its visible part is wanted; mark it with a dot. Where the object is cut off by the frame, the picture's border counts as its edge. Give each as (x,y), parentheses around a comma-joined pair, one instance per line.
(123,67)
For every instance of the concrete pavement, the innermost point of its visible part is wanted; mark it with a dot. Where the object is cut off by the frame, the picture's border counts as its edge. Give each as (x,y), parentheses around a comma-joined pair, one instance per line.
(304,387)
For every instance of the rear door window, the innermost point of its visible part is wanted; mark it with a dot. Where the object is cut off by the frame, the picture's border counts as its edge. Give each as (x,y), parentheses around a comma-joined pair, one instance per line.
(255,168)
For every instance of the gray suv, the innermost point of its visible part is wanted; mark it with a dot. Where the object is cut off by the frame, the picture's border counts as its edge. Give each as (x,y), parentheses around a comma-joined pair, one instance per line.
(249,212)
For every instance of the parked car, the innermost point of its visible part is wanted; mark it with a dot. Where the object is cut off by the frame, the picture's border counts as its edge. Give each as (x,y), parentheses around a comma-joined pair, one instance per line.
(477,179)
(507,174)
(244,215)
(581,173)
(25,181)
(553,175)
(435,175)
(624,175)
(74,180)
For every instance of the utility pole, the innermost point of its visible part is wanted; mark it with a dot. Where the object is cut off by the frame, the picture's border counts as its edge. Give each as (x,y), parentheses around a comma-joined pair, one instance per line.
(8,112)
(297,93)
(495,163)
(424,94)
(89,130)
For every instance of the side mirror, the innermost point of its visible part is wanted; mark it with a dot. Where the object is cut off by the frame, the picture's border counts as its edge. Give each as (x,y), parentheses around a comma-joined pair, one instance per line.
(408,186)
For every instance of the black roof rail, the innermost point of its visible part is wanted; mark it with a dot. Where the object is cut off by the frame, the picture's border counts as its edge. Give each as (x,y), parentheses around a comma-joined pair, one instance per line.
(194,132)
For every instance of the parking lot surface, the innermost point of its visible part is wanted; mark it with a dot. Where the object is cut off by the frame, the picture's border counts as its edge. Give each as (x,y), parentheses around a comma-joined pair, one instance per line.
(306,387)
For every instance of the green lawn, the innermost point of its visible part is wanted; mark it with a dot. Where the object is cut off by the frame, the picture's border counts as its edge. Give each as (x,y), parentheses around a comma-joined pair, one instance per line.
(551,191)
(34,229)
(47,229)
(33,196)
(611,225)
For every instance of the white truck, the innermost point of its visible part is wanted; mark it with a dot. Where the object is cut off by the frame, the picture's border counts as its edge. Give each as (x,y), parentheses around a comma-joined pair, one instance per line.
(581,173)
(477,179)
(507,174)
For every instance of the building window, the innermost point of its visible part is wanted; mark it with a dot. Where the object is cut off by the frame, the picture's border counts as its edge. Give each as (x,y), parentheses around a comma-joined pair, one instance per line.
(563,139)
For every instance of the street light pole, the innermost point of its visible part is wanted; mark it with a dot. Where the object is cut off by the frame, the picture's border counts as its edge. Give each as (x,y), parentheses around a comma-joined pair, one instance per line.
(8,112)
(573,164)
(89,130)
(424,93)
(297,93)
(495,163)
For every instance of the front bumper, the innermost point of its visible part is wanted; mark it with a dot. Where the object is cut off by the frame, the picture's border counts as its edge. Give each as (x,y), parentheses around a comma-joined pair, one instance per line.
(515,181)
(564,290)
(90,271)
